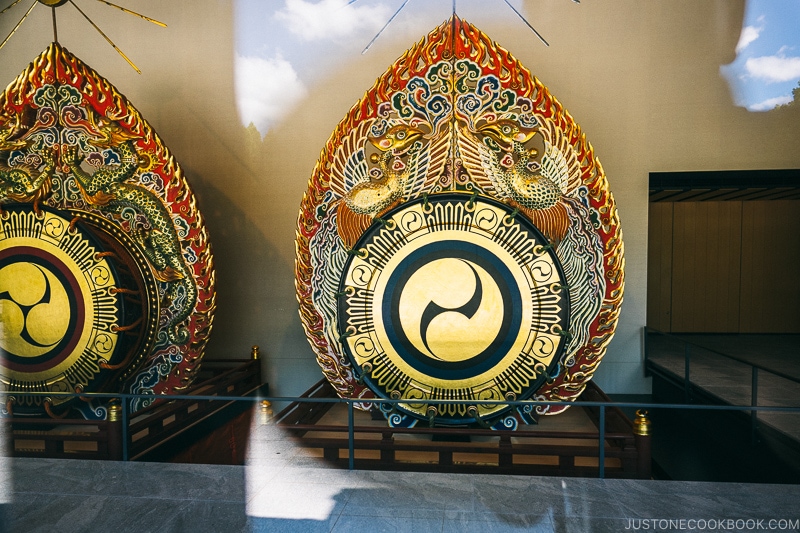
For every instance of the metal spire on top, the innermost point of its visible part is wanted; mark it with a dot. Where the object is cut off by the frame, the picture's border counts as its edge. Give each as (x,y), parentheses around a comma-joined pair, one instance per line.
(515,10)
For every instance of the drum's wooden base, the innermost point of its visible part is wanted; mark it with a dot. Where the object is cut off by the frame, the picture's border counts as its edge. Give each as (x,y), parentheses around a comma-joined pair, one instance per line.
(165,431)
(562,445)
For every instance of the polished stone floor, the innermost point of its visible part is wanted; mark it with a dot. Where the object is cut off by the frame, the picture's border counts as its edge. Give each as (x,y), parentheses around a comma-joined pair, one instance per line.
(75,495)
(731,380)
(284,489)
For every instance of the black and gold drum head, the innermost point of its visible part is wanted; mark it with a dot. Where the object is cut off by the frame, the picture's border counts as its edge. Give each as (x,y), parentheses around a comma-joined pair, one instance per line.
(73,304)
(453,293)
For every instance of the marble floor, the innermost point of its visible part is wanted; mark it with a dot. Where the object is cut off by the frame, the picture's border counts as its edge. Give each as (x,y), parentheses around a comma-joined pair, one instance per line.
(731,380)
(284,489)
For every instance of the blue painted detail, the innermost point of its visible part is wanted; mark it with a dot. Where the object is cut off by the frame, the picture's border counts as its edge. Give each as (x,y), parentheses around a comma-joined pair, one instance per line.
(527,415)
(399,420)
(508,423)
(91,411)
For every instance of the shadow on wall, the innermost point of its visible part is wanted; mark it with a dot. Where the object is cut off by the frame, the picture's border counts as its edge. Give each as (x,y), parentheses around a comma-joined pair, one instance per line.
(255,297)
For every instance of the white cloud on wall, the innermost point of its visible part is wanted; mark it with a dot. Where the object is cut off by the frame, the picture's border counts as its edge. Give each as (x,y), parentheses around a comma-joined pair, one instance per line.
(771,103)
(266,90)
(330,19)
(774,69)
(749,34)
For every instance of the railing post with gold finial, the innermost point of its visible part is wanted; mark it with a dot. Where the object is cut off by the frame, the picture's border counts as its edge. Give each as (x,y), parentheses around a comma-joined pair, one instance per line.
(255,357)
(114,429)
(266,412)
(642,432)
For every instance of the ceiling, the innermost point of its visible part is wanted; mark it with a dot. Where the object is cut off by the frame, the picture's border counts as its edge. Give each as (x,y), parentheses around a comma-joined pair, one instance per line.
(725,185)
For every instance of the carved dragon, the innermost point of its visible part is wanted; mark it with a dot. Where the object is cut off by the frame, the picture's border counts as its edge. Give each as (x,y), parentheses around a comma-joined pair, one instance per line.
(28,185)
(107,189)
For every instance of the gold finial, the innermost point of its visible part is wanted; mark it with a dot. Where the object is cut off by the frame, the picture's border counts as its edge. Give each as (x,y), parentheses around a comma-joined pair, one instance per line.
(266,412)
(114,412)
(641,425)
(255,354)
(452,20)
(109,41)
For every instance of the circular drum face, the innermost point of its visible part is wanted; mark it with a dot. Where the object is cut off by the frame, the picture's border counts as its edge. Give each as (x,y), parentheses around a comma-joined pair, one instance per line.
(453,298)
(63,307)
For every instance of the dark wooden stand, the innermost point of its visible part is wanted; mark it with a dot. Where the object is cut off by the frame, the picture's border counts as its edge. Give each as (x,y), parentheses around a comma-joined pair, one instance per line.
(157,432)
(532,450)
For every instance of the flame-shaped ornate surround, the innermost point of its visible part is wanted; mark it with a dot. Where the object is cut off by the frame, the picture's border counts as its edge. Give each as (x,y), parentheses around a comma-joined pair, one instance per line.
(72,146)
(457,114)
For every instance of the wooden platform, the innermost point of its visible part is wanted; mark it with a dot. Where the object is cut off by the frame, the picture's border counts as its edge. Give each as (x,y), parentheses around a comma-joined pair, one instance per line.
(564,445)
(153,433)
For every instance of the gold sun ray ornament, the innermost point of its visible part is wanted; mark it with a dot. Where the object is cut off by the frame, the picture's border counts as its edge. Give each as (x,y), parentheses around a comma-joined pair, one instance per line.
(53,4)
(106,272)
(458,240)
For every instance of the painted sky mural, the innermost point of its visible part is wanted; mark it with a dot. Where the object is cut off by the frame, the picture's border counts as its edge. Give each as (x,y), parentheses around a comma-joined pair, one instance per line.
(284,50)
(767,65)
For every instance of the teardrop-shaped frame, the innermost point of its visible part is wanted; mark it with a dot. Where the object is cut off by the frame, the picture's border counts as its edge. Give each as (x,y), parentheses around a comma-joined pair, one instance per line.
(447,89)
(62,107)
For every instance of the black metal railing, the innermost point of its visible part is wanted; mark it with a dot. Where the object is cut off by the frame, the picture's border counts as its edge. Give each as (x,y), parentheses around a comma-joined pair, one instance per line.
(123,400)
(689,347)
